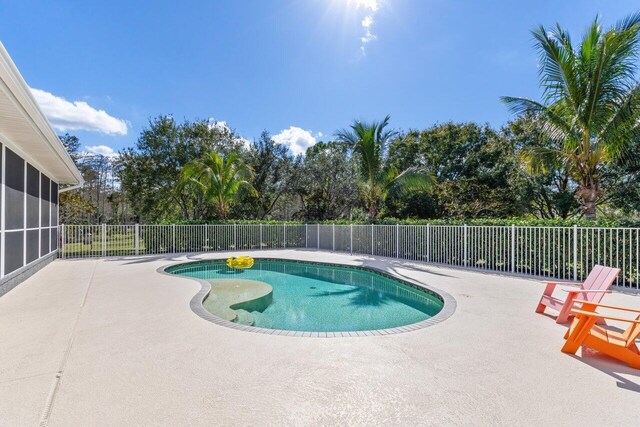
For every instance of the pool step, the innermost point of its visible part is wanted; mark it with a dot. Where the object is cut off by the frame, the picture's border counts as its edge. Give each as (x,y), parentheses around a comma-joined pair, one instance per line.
(244,317)
(229,296)
(262,319)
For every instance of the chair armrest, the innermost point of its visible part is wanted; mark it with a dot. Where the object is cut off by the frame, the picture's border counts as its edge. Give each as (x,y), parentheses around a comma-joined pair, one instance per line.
(604,316)
(581,291)
(615,307)
(564,283)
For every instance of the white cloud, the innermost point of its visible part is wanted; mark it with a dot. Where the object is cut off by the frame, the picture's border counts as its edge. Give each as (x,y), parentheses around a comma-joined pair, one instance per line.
(221,125)
(297,139)
(101,150)
(78,115)
(370,7)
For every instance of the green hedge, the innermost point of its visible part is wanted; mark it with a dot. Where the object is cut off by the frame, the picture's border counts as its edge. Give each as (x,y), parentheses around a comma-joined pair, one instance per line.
(392,221)
(522,222)
(187,239)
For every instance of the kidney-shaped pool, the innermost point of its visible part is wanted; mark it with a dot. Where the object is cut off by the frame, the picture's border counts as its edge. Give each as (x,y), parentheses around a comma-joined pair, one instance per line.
(304,296)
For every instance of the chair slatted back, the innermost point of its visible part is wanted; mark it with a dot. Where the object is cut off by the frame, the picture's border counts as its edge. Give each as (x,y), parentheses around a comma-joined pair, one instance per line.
(600,279)
(593,276)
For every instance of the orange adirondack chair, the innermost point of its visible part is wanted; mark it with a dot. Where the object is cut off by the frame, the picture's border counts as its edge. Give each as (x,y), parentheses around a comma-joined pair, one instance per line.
(584,332)
(593,289)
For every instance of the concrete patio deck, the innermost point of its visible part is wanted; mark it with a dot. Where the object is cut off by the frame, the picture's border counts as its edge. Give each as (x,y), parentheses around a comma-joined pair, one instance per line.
(113,342)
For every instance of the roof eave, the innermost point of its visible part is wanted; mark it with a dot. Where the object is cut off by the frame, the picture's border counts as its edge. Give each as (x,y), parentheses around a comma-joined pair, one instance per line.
(24,100)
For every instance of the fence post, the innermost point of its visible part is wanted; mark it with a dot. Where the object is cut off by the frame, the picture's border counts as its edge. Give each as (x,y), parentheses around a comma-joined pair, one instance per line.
(513,248)
(174,237)
(62,236)
(428,243)
(397,240)
(333,238)
(235,236)
(351,239)
(575,253)
(306,236)
(318,232)
(137,238)
(104,239)
(260,236)
(284,228)
(466,248)
(371,239)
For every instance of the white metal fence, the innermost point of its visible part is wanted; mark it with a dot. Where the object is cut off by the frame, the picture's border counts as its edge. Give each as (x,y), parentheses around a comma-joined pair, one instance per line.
(566,253)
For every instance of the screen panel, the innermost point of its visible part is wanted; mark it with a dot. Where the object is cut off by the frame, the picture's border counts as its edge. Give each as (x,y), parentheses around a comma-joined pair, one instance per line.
(13,258)
(45,197)
(33,197)
(14,191)
(44,242)
(54,204)
(33,246)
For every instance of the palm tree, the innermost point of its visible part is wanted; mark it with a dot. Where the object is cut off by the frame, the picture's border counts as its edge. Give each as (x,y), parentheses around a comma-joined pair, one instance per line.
(369,142)
(218,178)
(590,106)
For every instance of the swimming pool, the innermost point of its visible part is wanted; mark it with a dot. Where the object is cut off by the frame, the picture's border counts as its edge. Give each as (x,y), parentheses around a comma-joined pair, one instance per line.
(304,296)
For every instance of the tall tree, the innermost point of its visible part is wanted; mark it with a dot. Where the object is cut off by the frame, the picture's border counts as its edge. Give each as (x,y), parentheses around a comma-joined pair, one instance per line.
(622,177)
(275,170)
(218,178)
(150,172)
(590,105)
(93,202)
(549,191)
(328,183)
(379,178)
(476,172)
(72,145)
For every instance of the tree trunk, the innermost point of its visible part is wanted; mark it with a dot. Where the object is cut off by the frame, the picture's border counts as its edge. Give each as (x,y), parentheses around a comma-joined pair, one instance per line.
(590,210)
(589,193)
(373,211)
(373,202)
(223,208)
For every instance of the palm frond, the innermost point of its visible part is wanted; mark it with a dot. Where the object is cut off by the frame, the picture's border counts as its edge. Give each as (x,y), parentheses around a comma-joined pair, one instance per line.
(627,23)
(412,179)
(553,124)
(538,160)
(624,119)
(610,68)
(369,141)
(557,71)
(217,177)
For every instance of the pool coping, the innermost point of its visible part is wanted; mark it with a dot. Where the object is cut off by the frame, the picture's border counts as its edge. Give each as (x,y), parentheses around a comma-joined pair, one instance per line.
(448,308)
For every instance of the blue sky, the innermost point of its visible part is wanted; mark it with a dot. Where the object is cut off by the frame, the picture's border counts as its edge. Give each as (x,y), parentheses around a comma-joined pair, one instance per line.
(305,67)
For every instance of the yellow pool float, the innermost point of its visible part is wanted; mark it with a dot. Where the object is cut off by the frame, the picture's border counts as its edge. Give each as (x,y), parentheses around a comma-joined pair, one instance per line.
(240,262)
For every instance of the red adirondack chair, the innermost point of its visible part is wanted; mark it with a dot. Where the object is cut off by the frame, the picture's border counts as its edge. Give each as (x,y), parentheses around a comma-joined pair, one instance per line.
(593,289)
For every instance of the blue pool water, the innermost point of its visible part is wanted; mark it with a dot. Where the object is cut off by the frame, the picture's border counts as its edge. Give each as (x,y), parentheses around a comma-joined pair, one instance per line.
(324,298)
